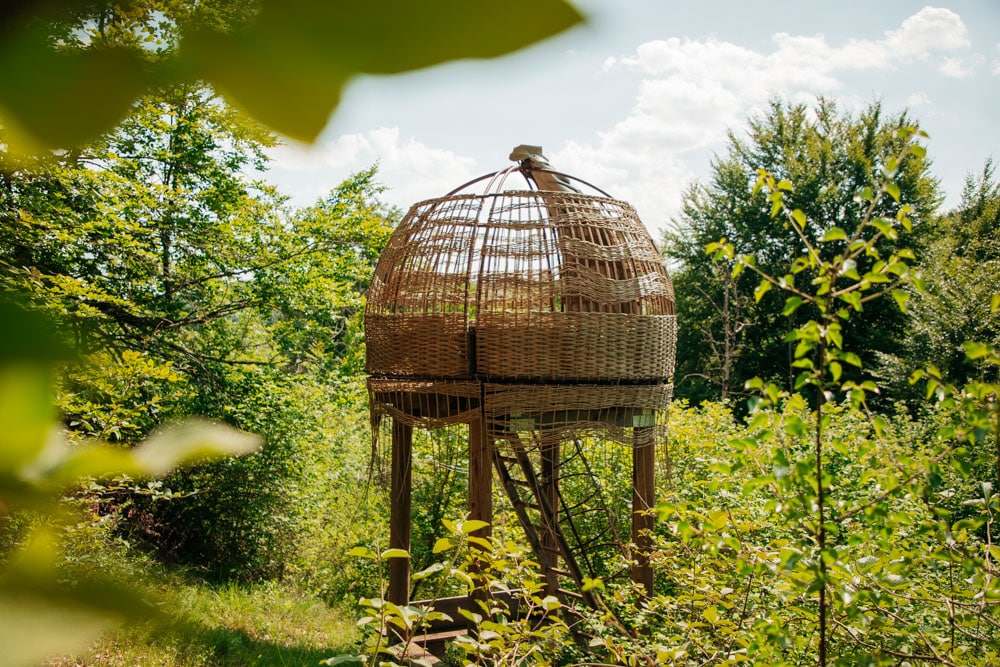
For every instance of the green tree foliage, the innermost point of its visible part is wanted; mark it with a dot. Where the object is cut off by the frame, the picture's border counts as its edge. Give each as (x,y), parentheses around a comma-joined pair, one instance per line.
(192,290)
(961,271)
(728,336)
(816,532)
(140,235)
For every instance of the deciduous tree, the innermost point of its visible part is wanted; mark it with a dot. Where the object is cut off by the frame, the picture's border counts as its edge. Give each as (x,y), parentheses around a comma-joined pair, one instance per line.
(830,155)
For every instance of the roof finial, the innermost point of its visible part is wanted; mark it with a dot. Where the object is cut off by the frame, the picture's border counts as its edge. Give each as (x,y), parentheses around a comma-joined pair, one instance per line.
(537,167)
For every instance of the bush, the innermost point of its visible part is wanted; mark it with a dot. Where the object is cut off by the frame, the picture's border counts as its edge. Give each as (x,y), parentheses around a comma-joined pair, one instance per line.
(240,518)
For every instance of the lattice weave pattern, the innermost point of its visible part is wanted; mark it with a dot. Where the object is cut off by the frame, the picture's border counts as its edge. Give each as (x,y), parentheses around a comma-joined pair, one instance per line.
(522,286)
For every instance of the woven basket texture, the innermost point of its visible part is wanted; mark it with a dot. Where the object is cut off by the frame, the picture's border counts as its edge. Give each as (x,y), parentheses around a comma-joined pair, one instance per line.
(548,315)
(523,285)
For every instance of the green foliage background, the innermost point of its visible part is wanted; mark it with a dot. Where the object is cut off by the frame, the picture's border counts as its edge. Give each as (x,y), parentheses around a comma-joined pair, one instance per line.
(844,515)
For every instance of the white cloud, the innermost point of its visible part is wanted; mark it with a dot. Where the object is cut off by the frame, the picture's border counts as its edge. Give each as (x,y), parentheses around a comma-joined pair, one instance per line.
(955,68)
(798,58)
(929,29)
(918,99)
(412,170)
(694,90)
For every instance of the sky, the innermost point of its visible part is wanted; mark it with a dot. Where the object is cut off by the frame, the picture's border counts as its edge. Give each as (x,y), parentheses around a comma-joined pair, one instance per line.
(640,99)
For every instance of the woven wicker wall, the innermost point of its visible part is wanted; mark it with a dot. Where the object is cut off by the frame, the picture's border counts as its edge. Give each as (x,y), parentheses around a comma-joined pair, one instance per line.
(522,286)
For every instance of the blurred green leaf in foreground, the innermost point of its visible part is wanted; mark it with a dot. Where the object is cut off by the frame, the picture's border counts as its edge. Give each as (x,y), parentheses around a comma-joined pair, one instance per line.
(42,609)
(70,69)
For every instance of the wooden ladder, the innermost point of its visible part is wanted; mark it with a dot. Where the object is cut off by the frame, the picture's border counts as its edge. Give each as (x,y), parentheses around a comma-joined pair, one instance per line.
(552,526)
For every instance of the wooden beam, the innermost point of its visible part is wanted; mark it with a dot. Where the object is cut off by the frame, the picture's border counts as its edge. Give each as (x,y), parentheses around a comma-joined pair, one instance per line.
(400,501)
(480,488)
(480,476)
(643,499)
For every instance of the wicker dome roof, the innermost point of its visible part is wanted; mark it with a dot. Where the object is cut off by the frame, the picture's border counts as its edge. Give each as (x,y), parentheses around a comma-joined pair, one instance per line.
(522,285)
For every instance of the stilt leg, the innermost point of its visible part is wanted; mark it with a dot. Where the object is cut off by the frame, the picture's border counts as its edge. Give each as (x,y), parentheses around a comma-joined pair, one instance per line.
(643,499)
(480,476)
(480,483)
(399,512)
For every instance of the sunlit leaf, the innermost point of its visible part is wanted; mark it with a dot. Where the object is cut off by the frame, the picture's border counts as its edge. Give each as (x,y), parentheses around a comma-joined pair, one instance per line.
(428,571)
(462,576)
(345,659)
(835,370)
(710,613)
(834,335)
(471,526)
(800,217)
(551,603)
(443,544)
(852,298)
(975,350)
(288,68)
(25,412)
(792,304)
(901,298)
(852,358)
(763,288)
(893,190)
(395,553)
(192,441)
(834,234)
(480,542)
(362,552)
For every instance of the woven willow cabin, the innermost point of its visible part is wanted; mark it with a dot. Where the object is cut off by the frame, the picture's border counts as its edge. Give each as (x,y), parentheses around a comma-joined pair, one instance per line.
(542,317)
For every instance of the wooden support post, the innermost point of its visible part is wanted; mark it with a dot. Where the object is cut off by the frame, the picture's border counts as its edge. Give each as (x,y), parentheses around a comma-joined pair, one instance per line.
(400,501)
(480,476)
(643,499)
(480,484)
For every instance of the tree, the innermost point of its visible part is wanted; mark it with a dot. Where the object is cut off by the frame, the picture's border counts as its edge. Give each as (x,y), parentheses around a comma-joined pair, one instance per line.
(830,156)
(192,290)
(961,271)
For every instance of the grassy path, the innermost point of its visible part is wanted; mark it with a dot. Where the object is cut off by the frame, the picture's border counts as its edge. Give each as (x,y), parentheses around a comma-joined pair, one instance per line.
(226,625)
